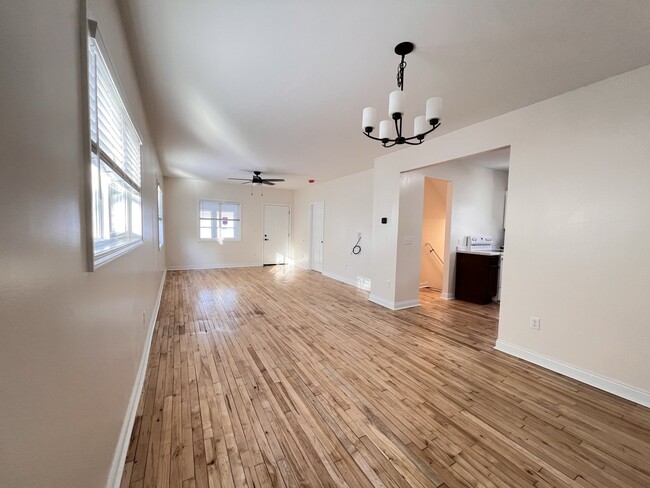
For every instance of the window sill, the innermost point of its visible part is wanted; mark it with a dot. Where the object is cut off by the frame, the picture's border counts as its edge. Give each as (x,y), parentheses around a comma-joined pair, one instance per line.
(104,257)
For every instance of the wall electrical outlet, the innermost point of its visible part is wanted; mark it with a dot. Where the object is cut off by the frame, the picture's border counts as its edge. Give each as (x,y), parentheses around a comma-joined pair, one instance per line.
(534,323)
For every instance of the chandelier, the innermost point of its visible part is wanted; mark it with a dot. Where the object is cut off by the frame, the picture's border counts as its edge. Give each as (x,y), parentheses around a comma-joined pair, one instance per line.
(424,124)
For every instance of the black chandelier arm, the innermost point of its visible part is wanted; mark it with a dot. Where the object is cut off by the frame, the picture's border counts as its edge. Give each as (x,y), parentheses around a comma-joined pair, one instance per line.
(404,140)
(385,144)
(398,127)
(367,134)
(435,126)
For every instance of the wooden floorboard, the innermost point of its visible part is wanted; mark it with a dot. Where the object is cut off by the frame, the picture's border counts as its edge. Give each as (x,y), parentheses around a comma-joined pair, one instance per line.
(280,377)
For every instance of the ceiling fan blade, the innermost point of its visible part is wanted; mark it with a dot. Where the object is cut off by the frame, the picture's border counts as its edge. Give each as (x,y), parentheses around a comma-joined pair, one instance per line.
(273,179)
(268,182)
(247,182)
(240,179)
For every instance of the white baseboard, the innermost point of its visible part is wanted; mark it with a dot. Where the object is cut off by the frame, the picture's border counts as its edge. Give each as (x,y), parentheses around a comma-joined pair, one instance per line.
(447,296)
(115,474)
(343,279)
(617,388)
(381,301)
(213,266)
(406,304)
(301,265)
(394,305)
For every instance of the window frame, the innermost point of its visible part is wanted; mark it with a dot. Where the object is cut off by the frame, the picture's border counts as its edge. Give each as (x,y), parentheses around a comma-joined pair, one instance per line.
(97,161)
(161,215)
(220,202)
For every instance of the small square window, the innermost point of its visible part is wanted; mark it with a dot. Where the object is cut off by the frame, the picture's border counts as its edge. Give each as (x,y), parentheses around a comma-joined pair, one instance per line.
(219,221)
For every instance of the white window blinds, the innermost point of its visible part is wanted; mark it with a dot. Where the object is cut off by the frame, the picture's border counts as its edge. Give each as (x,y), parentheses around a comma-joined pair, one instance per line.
(115,161)
(113,135)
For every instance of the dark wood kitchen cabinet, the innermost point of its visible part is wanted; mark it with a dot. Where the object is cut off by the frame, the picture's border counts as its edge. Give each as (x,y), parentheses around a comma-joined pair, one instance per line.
(477,277)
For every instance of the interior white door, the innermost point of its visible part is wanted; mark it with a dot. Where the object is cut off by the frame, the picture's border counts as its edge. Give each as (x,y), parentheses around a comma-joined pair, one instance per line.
(276,234)
(317,214)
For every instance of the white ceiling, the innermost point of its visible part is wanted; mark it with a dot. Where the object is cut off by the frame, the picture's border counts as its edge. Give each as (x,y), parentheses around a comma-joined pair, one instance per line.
(232,86)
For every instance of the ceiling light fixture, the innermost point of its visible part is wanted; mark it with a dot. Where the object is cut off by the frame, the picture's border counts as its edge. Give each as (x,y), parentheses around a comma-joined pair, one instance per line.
(424,124)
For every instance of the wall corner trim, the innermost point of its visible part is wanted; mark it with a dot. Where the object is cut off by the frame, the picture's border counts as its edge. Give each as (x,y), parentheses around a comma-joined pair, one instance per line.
(115,474)
(406,304)
(381,301)
(614,387)
(394,305)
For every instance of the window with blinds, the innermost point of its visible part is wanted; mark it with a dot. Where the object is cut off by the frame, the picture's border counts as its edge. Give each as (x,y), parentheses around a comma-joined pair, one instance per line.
(115,163)
(219,220)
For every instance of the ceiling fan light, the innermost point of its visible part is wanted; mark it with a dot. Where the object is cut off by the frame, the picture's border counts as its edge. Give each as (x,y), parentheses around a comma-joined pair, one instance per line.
(434,108)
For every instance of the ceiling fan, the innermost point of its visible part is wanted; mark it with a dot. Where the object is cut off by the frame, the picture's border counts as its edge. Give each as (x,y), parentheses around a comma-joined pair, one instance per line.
(258,180)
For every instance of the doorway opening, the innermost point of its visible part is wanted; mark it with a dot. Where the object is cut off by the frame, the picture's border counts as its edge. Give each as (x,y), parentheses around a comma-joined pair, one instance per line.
(475,187)
(435,232)
(316,235)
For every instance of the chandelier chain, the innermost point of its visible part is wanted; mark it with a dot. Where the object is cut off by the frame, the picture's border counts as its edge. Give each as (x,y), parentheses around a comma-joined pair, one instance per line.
(400,74)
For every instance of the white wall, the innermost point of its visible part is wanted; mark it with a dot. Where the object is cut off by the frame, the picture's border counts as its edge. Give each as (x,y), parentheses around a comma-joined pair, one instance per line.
(477,199)
(348,210)
(434,227)
(578,215)
(185,250)
(72,340)
(409,239)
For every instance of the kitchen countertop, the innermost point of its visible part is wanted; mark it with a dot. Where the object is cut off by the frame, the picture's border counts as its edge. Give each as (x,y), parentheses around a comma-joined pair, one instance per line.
(483,253)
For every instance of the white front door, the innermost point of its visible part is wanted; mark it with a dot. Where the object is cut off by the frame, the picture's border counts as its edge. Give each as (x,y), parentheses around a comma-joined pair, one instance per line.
(276,234)
(317,217)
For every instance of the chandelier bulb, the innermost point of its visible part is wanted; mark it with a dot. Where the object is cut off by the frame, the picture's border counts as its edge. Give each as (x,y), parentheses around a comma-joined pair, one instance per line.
(369,119)
(396,104)
(420,125)
(384,129)
(434,108)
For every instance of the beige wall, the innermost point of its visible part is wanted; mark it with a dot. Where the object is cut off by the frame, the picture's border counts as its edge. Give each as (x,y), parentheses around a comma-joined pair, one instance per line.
(578,215)
(434,226)
(72,340)
(185,250)
(348,211)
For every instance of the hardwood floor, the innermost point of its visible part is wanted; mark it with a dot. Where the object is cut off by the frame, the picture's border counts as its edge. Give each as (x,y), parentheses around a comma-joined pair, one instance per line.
(278,376)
